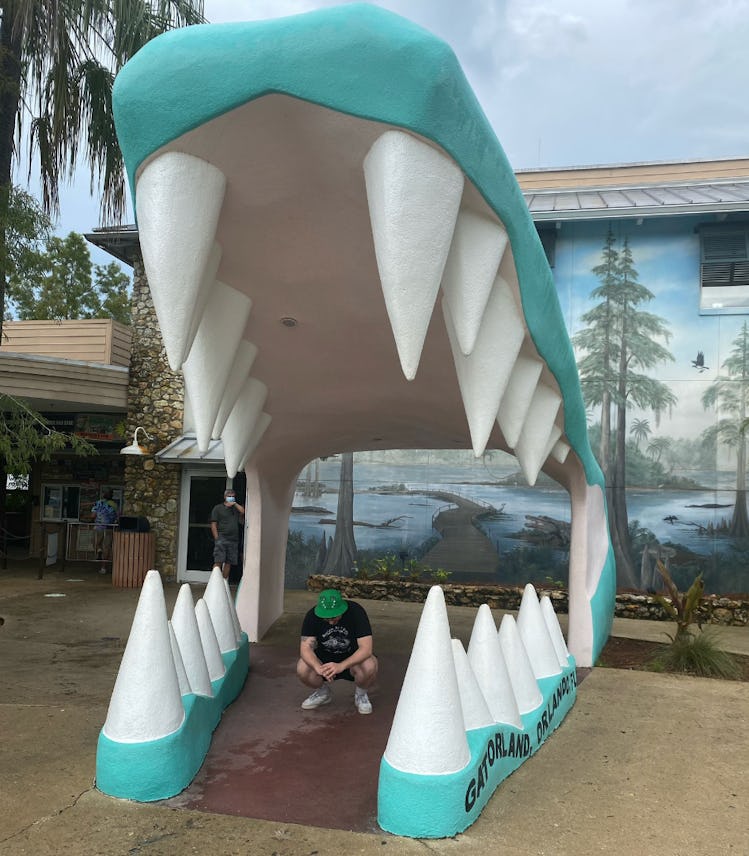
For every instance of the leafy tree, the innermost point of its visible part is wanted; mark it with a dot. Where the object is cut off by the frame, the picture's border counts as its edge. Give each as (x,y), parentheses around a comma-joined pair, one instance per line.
(658,446)
(640,431)
(27,228)
(57,284)
(113,286)
(730,394)
(57,66)
(620,343)
(598,342)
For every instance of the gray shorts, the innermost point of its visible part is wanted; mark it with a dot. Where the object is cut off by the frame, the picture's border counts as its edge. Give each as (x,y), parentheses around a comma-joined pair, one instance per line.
(225,552)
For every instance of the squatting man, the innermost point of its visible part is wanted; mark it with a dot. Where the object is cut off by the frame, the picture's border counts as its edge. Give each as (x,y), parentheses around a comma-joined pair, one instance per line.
(336,645)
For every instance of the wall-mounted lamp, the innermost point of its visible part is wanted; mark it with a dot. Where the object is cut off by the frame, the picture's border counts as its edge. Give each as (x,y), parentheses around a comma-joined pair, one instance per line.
(134,448)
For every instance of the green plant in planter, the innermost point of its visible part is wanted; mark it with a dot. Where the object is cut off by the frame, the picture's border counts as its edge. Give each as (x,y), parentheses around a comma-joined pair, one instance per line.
(440,575)
(696,654)
(680,607)
(415,570)
(387,567)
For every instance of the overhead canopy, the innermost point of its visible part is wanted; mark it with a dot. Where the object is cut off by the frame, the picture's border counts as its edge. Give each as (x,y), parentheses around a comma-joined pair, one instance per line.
(184,450)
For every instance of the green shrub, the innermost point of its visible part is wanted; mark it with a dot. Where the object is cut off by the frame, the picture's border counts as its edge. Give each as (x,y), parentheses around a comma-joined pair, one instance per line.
(697,655)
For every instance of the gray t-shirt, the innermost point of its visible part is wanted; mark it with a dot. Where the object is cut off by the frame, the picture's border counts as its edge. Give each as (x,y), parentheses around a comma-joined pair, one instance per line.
(227,519)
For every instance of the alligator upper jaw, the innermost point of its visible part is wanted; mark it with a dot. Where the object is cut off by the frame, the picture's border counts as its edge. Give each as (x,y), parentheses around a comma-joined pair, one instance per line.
(270,232)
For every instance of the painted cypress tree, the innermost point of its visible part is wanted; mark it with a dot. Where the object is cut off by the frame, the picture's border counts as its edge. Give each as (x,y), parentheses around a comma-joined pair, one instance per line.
(730,393)
(621,342)
(341,554)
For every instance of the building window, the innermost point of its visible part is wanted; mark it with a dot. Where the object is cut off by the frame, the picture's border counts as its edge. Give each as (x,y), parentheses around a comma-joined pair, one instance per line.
(724,268)
(60,501)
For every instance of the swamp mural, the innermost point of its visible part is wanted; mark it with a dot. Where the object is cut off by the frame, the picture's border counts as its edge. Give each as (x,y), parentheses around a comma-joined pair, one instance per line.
(666,390)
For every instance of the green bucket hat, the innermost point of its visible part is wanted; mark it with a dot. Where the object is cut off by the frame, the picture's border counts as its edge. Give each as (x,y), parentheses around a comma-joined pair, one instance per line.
(330,604)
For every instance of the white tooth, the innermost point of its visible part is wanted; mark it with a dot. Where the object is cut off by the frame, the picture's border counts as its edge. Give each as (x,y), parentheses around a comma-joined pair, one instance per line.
(146,703)
(560,451)
(213,659)
(220,612)
(476,713)
(489,667)
(240,371)
(414,194)
(233,611)
(483,376)
(555,631)
(241,423)
(427,736)
(589,553)
(184,683)
(209,364)
(517,398)
(535,635)
(178,203)
(205,293)
(531,445)
(556,433)
(263,421)
(470,271)
(186,630)
(523,681)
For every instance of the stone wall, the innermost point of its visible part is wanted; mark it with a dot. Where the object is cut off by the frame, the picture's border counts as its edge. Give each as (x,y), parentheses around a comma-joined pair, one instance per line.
(155,402)
(714,609)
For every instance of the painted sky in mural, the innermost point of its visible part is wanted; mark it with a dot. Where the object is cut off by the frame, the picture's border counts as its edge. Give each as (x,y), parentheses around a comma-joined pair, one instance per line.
(667,258)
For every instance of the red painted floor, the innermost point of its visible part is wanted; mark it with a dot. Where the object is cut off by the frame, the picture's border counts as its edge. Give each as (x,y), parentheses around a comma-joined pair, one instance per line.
(270,759)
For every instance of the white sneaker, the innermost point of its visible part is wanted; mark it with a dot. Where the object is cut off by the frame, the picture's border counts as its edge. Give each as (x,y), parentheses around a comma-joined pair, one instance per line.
(319,697)
(362,702)
(102,571)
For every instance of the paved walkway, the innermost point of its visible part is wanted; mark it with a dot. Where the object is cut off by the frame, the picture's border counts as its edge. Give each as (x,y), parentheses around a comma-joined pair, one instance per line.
(644,763)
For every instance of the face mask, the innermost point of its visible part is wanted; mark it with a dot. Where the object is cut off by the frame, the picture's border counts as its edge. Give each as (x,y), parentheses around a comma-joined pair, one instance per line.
(230,499)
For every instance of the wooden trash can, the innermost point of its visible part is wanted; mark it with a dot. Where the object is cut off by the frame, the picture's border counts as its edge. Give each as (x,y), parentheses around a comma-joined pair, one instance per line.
(133,555)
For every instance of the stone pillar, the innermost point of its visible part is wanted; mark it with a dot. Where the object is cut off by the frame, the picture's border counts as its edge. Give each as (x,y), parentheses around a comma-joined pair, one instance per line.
(156,402)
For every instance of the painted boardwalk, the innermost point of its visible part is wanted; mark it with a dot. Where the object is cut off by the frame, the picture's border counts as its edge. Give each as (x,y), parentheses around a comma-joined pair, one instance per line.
(462,547)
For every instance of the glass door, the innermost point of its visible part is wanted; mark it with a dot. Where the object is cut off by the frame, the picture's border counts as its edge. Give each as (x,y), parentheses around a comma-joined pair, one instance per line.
(202,488)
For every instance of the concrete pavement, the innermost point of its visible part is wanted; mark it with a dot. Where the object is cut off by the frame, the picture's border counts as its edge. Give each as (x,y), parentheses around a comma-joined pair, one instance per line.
(644,764)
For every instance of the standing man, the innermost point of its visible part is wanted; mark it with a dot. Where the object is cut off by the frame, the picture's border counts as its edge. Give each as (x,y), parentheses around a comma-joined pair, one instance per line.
(104,515)
(226,518)
(336,644)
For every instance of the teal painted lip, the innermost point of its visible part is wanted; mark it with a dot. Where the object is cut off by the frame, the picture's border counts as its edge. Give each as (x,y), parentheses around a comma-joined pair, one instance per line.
(366,62)
(439,806)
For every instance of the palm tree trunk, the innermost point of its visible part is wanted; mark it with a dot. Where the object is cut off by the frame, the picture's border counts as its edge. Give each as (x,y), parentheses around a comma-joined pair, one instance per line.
(342,553)
(10,89)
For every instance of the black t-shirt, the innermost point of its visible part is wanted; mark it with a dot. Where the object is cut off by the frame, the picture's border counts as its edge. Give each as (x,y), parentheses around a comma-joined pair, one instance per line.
(335,642)
(227,518)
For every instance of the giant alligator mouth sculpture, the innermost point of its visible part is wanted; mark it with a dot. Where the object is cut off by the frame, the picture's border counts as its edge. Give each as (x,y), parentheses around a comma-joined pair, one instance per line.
(340,259)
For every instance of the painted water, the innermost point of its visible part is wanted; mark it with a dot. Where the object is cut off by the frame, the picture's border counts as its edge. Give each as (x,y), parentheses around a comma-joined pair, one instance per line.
(685,518)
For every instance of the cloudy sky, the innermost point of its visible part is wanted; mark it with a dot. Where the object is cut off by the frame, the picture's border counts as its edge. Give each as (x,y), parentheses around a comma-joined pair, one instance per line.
(571,82)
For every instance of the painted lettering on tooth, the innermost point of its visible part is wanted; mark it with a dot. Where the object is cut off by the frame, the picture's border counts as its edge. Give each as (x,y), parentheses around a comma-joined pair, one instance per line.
(498,746)
(565,687)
